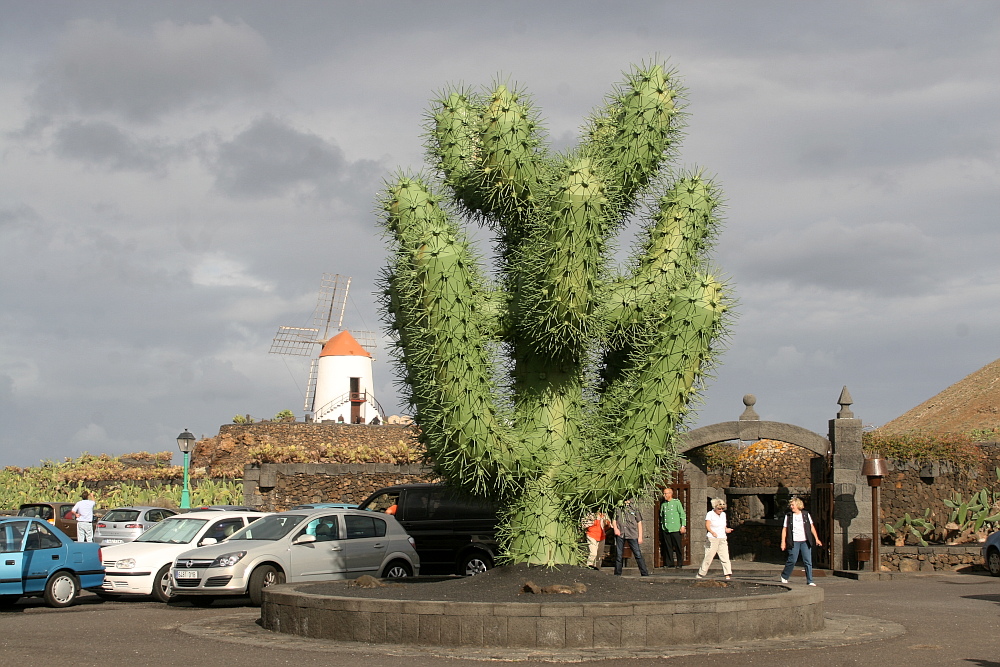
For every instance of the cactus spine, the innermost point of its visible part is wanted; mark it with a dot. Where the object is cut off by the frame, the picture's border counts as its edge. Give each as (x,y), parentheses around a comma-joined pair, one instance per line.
(557,384)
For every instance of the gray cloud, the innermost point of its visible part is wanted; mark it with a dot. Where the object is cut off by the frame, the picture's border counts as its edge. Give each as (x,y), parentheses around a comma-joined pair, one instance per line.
(887,258)
(100,68)
(104,144)
(272,159)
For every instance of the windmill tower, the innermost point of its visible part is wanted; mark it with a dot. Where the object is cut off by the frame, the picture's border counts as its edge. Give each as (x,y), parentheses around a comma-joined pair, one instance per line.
(340,378)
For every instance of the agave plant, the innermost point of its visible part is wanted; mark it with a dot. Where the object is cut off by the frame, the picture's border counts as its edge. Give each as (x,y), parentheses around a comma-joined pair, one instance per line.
(559,384)
(918,527)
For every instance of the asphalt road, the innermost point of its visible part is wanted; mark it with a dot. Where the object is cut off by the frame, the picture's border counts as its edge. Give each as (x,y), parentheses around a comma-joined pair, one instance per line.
(949,619)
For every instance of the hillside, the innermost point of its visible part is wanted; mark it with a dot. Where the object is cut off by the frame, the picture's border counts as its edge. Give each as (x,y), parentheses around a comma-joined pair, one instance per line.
(972,403)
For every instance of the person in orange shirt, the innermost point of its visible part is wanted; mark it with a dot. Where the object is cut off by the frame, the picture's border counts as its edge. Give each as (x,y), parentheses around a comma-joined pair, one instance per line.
(594,525)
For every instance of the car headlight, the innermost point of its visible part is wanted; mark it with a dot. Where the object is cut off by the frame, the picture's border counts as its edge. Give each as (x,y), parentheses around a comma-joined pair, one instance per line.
(125,564)
(228,560)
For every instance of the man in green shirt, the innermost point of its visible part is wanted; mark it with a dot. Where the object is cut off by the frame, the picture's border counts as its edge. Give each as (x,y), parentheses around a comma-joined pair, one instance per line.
(673,524)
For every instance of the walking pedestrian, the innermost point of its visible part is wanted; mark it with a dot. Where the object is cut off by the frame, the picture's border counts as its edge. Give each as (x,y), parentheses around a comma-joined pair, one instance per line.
(673,524)
(798,526)
(716,540)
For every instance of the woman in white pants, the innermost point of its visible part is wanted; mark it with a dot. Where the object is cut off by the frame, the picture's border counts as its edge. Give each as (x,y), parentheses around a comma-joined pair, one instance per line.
(715,540)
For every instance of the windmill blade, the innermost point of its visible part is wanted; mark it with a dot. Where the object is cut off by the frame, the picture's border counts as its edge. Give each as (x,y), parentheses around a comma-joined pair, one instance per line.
(308,406)
(367,340)
(295,341)
(331,302)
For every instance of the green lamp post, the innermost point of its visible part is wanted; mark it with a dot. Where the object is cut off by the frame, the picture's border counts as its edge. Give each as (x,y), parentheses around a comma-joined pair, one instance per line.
(185,441)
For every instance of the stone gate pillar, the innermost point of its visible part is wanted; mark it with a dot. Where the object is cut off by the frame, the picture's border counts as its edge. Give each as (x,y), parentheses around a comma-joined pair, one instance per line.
(852,506)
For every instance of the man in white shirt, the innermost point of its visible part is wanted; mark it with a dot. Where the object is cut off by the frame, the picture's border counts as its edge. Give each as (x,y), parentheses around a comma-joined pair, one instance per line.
(84,513)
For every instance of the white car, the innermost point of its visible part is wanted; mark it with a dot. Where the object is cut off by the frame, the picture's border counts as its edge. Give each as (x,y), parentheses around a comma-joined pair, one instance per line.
(303,545)
(142,567)
(991,553)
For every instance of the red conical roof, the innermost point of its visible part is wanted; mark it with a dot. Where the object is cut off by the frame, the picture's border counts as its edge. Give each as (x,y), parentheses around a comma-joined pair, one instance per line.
(343,345)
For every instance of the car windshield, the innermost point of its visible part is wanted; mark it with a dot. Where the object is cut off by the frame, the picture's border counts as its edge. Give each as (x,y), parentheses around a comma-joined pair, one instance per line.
(121,515)
(173,531)
(269,528)
(40,511)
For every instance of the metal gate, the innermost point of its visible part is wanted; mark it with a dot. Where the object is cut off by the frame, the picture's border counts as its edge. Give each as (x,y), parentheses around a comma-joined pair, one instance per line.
(682,491)
(822,514)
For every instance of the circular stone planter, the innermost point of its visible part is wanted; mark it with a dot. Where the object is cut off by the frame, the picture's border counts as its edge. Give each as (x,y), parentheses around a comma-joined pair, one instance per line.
(292,609)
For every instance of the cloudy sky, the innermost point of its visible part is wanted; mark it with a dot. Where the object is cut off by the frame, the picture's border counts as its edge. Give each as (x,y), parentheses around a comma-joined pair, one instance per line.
(175,177)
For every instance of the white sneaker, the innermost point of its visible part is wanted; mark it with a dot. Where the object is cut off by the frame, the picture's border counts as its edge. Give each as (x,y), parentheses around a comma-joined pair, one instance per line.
(698,576)
(811,584)
(784,581)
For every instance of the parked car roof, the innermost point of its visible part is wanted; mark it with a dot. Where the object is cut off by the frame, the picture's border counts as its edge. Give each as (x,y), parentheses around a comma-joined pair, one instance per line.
(223,508)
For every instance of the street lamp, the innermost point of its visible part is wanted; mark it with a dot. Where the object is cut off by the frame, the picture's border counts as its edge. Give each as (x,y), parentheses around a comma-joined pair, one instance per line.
(875,468)
(185,441)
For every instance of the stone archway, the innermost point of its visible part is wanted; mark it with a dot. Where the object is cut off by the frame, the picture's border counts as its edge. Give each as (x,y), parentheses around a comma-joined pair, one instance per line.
(842,449)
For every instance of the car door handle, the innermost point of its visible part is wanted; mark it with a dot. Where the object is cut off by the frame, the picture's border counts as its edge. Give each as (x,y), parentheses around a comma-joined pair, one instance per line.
(55,556)
(10,562)
(335,548)
(378,545)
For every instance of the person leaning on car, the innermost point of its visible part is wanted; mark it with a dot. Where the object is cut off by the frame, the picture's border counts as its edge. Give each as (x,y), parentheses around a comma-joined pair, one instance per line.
(84,513)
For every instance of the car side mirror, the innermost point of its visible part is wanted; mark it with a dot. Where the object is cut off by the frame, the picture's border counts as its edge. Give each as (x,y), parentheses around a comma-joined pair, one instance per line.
(304,539)
(208,540)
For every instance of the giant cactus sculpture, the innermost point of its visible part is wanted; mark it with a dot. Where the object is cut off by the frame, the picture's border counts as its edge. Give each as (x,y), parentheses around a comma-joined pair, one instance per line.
(552,383)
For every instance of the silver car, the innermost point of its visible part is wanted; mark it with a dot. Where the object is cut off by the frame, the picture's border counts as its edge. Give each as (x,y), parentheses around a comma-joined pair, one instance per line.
(306,545)
(124,524)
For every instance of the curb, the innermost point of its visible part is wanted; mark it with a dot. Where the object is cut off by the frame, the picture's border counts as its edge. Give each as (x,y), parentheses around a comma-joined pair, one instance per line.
(840,630)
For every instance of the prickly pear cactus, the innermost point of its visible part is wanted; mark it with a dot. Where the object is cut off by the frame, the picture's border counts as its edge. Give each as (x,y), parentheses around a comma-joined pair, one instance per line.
(554,381)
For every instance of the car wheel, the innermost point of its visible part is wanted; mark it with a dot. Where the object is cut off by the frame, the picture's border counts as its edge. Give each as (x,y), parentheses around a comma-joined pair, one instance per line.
(61,589)
(8,600)
(993,562)
(397,569)
(162,589)
(262,577)
(476,562)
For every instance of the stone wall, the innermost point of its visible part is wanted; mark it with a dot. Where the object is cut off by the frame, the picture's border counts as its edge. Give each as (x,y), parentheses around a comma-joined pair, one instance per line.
(274,487)
(227,453)
(934,558)
(911,487)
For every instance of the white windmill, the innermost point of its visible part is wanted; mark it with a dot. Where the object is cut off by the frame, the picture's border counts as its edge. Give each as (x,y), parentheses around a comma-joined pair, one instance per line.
(340,385)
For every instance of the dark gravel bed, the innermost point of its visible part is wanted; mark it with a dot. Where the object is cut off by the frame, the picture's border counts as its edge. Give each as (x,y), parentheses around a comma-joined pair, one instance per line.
(506,584)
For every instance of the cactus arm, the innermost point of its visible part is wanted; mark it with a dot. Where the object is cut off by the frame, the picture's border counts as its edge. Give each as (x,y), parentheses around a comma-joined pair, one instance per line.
(656,395)
(491,153)
(635,131)
(454,146)
(677,239)
(511,161)
(560,267)
(447,359)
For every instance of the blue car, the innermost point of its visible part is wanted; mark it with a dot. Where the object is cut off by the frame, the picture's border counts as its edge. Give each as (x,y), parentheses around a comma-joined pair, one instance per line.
(38,559)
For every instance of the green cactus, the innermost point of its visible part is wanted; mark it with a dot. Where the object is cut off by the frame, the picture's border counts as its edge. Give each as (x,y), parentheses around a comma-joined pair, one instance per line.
(552,382)
(975,512)
(919,527)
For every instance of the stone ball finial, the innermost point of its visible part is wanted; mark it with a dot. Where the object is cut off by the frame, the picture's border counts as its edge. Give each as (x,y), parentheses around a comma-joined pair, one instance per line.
(749,414)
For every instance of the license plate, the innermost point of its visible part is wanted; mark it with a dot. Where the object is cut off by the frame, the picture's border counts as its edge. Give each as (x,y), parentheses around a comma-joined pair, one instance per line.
(186,574)
(113,541)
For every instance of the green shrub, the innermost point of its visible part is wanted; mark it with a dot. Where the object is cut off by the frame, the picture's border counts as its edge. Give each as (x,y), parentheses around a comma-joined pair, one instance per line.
(957,448)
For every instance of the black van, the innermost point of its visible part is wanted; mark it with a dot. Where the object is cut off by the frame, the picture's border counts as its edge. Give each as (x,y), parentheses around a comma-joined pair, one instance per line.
(453,533)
